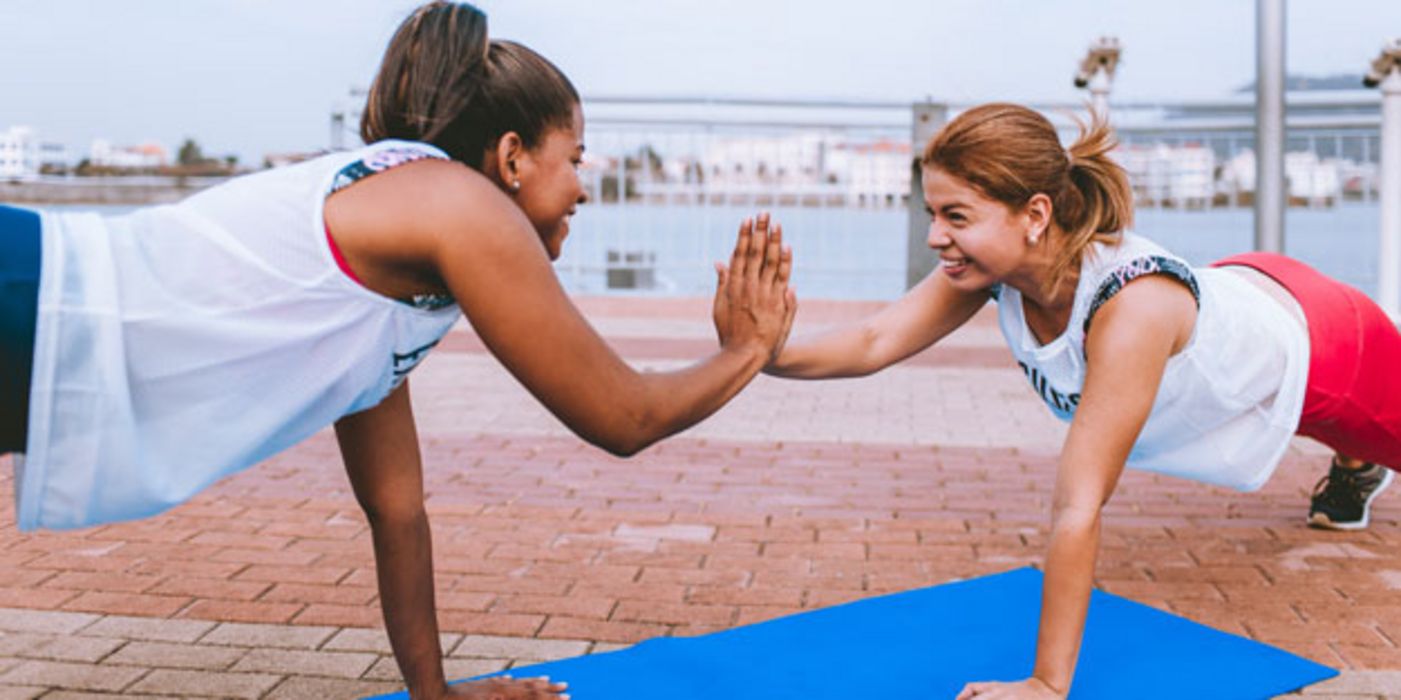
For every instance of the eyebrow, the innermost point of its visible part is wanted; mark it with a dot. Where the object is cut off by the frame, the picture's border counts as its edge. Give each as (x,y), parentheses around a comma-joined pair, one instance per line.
(947,207)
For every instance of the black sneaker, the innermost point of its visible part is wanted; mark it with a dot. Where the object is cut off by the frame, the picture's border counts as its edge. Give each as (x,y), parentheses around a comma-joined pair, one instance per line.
(1343,499)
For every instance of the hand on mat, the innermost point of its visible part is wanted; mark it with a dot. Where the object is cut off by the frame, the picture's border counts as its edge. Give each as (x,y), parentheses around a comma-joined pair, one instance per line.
(508,688)
(753,303)
(1029,689)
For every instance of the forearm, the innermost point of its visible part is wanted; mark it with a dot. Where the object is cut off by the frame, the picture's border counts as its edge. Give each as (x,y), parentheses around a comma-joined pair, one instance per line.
(1065,598)
(665,403)
(845,352)
(404,563)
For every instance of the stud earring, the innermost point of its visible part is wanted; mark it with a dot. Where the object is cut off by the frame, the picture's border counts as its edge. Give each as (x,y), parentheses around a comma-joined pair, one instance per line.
(516,185)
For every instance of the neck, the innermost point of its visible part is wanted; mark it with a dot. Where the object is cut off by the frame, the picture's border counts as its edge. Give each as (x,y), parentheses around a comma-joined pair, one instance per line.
(1034,282)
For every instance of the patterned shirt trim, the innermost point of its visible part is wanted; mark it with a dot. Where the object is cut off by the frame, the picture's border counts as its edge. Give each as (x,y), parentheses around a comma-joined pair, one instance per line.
(378,162)
(1139,267)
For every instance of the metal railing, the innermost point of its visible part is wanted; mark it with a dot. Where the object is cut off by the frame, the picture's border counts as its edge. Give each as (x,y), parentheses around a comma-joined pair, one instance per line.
(669,178)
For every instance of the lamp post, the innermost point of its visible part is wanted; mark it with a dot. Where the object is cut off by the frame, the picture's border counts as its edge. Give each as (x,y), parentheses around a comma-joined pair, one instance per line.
(1097,72)
(1269,126)
(1385,73)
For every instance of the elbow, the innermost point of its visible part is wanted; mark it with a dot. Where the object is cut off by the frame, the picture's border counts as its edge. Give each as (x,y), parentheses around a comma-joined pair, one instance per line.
(406,514)
(633,430)
(1076,517)
(622,443)
(622,448)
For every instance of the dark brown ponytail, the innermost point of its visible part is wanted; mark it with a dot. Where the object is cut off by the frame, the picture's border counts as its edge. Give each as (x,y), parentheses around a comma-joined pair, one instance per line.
(442,81)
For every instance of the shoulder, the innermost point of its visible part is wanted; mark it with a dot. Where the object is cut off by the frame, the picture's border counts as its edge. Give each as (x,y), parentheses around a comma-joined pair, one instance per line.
(430,195)
(1155,312)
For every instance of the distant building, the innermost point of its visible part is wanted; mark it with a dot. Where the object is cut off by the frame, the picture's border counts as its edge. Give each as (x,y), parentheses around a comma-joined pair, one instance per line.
(19,153)
(875,173)
(24,157)
(1173,176)
(146,156)
(280,160)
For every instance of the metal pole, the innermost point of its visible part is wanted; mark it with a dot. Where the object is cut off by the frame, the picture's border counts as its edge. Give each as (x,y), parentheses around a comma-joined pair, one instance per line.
(1100,85)
(1269,126)
(919,260)
(1389,188)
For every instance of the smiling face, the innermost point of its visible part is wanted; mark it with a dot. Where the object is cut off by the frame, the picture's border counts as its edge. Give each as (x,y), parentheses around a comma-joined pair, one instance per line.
(980,240)
(550,191)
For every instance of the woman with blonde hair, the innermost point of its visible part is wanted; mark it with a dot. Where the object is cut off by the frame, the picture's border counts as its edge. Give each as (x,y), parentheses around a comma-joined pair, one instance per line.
(1204,374)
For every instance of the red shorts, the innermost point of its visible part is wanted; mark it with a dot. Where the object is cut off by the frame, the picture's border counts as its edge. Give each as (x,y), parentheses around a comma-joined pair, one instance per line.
(1353,401)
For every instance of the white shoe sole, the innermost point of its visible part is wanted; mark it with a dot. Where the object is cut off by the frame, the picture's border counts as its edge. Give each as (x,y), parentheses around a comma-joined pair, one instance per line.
(1321,520)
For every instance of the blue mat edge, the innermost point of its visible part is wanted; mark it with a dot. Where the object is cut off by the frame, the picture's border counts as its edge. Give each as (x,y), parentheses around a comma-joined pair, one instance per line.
(1323,671)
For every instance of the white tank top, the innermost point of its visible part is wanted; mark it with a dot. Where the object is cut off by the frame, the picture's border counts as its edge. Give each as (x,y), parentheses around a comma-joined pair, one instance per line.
(179,344)
(1229,401)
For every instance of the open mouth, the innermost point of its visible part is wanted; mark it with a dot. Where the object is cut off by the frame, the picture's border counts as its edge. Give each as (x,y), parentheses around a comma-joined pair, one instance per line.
(954,266)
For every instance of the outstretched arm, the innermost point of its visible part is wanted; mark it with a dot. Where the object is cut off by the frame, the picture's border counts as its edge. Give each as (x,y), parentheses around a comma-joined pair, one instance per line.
(1127,350)
(928,312)
(487,254)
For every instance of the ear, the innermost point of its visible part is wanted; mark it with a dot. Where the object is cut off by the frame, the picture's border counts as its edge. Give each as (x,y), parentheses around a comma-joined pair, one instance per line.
(1038,212)
(504,162)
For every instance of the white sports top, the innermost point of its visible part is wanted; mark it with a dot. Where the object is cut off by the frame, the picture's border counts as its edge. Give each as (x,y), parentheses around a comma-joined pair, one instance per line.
(179,344)
(1229,401)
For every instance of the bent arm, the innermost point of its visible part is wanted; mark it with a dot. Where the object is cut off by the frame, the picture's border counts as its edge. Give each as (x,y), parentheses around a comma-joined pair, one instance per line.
(492,261)
(1127,349)
(926,313)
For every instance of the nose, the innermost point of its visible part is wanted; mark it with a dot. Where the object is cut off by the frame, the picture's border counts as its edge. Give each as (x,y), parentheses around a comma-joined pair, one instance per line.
(938,238)
(583,197)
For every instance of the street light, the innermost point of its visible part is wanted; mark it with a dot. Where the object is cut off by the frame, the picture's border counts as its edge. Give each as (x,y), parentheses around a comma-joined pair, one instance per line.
(1097,72)
(1385,72)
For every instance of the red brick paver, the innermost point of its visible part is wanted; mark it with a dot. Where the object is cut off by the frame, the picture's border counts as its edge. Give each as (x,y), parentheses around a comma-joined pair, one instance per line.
(796,496)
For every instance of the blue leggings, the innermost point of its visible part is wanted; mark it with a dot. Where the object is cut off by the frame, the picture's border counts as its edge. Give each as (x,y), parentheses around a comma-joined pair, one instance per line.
(19,308)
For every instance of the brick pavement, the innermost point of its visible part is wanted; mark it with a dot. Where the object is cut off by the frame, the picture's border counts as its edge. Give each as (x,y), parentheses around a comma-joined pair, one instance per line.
(796,496)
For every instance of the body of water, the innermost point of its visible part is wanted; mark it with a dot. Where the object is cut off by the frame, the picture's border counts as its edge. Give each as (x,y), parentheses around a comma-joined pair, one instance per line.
(861,253)
(850,253)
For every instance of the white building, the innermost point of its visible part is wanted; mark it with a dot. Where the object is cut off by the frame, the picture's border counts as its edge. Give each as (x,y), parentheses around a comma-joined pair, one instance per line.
(875,173)
(1177,176)
(812,163)
(19,154)
(103,154)
(1311,180)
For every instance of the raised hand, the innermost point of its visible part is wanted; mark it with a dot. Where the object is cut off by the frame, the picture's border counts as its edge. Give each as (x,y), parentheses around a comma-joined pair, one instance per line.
(753,302)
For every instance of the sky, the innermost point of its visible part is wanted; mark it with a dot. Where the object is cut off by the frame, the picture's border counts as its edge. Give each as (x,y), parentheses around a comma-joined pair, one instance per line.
(250,77)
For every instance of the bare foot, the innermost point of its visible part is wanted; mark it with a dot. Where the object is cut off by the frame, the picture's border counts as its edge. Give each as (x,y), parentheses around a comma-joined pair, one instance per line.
(508,688)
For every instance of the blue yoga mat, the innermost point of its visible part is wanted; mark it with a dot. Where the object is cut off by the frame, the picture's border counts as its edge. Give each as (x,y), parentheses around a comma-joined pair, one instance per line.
(928,643)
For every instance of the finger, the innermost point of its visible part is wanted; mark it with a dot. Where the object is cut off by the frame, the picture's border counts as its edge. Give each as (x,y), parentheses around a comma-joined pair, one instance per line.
(773,254)
(790,298)
(741,252)
(757,241)
(720,275)
(785,267)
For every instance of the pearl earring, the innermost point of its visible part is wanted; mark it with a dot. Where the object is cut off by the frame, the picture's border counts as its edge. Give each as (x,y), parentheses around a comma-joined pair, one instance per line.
(516,185)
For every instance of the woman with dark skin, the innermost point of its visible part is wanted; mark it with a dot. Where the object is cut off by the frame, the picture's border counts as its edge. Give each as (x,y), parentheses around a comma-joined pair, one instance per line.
(461,198)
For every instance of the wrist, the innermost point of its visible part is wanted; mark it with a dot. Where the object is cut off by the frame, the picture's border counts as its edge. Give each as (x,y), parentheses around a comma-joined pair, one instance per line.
(1058,686)
(751,351)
